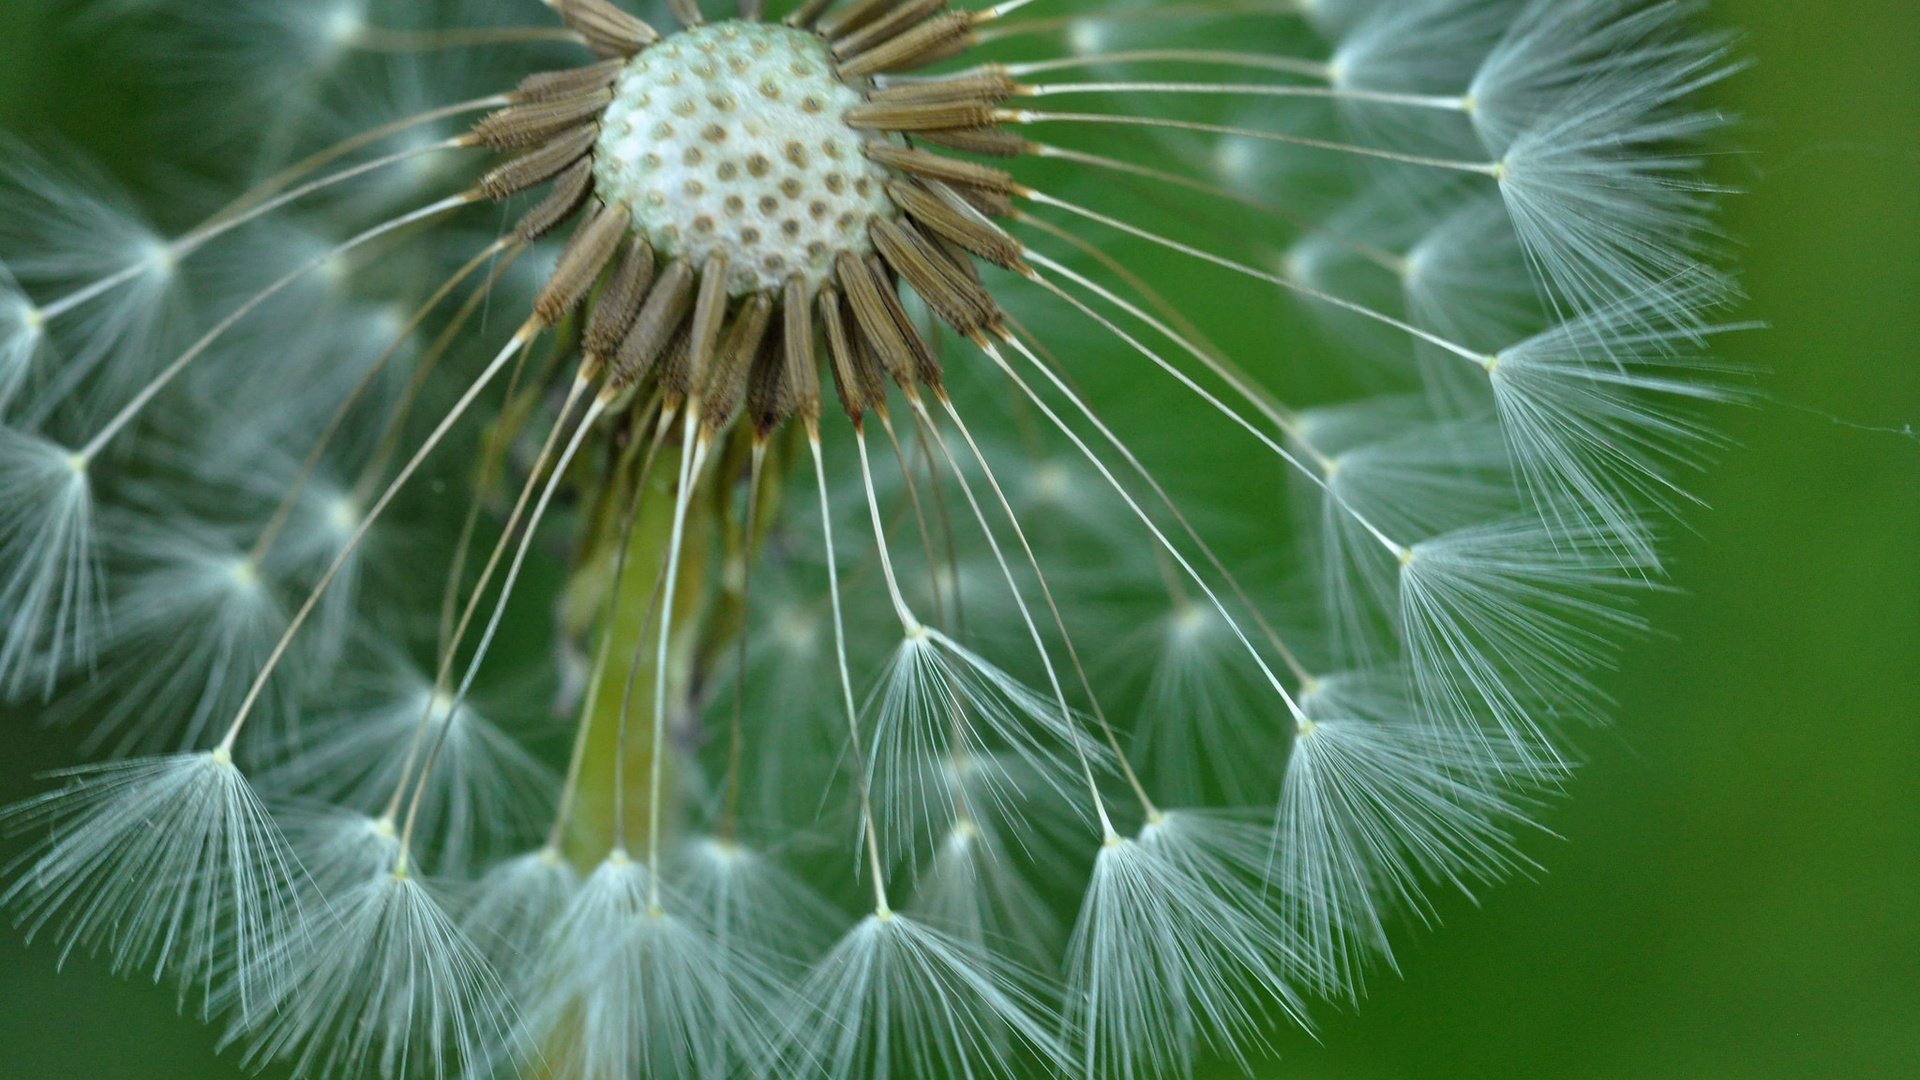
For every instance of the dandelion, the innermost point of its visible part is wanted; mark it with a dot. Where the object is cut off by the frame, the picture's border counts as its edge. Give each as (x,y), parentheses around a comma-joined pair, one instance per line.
(678,543)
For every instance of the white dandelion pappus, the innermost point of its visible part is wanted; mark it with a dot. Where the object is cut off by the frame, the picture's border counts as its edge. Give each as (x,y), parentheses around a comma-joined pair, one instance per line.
(509,909)
(342,847)
(381,981)
(940,708)
(1390,469)
(194,617)
(168,867)
(895,998)
(1373,809)
(21,338)
(74,234)
(1488,659)
(485,788)
(1590,107)
(621,987)
(1194,733)
(1164,963)
(1603,411)
(51,586)
(755,908)
(976,889)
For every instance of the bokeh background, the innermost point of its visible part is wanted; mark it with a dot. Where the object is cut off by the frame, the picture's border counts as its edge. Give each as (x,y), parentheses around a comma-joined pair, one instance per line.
(1734,888)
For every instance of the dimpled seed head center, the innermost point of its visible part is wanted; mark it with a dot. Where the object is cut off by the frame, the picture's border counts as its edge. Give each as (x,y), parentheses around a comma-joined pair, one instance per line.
(731,140)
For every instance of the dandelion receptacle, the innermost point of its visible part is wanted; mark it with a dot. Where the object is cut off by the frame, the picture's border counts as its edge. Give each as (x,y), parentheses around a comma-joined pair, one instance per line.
(646,541)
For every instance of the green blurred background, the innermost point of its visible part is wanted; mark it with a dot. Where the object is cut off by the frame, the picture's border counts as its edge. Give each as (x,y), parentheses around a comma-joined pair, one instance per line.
(1735,890)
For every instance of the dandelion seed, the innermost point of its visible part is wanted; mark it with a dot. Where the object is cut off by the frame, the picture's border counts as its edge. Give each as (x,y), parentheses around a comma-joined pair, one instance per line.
(514,904)
(343,848)
(975,890)
(73,233)
(382,982)
(943,706)
(1375,808)
(168,867)
(1162,964)
(1507,622)
(625,989)
(897,998)
(1390,470)
(191,625)
(1467,280)
(1590,112)
(582,1002)
(484,788)
(755,908)
(21,338)
(1602,410)
(51,588)
(1196,735)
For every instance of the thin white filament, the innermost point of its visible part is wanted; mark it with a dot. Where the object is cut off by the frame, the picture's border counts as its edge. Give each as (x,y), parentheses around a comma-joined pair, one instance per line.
(909,624)
(881,907)
(1067,721)
(1220,9)
(506,591)
(1287,283)
(1028,116)
(1290,65)
(693,457)
(1273,680)
(1314,476)
(1439,102)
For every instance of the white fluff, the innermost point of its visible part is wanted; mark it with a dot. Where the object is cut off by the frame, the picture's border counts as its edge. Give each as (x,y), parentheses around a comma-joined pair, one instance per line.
(1378,806)
(486,794)
(1590,110)
(510,908)
(22,336)
(1163,965)
(1603,412)
(990,893)
(194,619)
(941,703)
(1203,722)
(623,988)
(899,999)
(168,867)
(383,983)
(67,227)
(1503,626)
(756,909)
(52,587)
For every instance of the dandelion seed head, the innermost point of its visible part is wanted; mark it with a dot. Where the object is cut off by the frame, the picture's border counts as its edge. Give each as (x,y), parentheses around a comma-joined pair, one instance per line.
(731,140)
(799,506)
